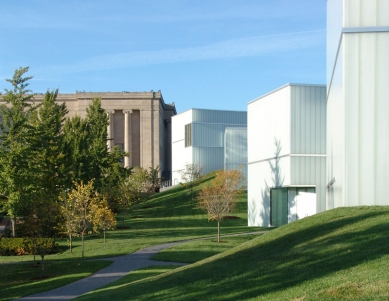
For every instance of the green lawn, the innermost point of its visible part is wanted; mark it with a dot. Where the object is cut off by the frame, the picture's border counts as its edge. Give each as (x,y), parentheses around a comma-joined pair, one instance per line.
(341,254)
(165,217)
(18,280)
(197,250)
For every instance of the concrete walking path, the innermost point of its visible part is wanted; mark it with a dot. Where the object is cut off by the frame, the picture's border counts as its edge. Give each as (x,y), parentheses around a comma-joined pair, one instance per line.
(120,267)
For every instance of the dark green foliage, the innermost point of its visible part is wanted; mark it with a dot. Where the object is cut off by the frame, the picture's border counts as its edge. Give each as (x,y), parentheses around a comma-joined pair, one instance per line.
(16,141)
(75,150)
(98,155)
(48,144)
(86,154)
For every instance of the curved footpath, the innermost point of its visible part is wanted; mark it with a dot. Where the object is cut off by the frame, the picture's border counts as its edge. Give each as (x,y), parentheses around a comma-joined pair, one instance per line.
(120,267)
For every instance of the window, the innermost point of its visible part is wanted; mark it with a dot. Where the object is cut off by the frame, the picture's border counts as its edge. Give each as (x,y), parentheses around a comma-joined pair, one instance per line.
(188,135)
(278,206)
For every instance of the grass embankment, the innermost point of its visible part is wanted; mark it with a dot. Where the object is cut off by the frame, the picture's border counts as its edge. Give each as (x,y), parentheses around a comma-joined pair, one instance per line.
(165,217)
(342,254)
(17,280)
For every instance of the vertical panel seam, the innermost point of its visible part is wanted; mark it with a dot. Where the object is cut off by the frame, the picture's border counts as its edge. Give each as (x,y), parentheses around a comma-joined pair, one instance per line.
(375,120)
(358,120)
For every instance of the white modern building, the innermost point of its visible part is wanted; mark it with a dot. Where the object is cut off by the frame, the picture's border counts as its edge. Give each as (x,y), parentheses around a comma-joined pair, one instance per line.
(203,137)
(286,133)
(357,102)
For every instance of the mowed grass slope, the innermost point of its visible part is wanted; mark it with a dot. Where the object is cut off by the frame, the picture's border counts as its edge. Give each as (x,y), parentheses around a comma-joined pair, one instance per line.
(341,254)
(164,217)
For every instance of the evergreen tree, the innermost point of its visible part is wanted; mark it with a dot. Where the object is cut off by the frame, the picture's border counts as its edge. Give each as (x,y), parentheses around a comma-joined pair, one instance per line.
(98,155)
(16,152)
(48,161)
(76,151)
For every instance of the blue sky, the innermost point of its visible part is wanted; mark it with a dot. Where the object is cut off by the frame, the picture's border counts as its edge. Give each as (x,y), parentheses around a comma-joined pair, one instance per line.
(215,54)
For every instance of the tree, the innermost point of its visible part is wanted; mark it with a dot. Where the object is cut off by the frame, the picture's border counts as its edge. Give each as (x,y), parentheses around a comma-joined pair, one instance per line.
(133,189)
(68,210)
(16,151)
(98,156)
(48,161)
(85,201)
(87,155)
(219,198)
(190,176)
(76,151)
(114,176)
(48,123)
(103,218)
(154,179)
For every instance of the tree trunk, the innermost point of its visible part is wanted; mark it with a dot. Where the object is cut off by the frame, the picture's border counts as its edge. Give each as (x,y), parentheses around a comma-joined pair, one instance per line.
(104,235)
(70,243)
(82,239)
(13,227)
(218,231)
(34,251)
(43,265)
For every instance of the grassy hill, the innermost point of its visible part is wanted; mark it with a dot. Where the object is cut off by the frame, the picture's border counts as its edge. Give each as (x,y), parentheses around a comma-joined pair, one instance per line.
(164,217)
(341,254)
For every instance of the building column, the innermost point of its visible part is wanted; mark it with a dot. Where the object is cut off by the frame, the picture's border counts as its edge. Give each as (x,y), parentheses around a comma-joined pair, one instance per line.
(127,137)
(110,130)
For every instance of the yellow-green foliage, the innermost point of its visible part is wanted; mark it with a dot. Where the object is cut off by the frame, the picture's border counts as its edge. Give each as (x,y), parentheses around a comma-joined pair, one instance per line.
(25,246)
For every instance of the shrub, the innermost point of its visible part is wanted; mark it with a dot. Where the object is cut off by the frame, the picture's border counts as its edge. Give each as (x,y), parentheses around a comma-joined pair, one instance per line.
(25,246)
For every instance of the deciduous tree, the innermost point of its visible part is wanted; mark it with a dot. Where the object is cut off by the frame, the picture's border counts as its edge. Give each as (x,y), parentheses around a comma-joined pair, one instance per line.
(190,177)
(219,198)
(84,199)
(103,218)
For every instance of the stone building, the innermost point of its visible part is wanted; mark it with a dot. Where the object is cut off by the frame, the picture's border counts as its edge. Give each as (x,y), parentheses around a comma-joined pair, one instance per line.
(140,123)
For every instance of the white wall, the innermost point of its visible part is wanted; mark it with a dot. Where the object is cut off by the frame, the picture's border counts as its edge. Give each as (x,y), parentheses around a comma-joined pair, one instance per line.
(286,146)
(181,155)
(358,127)
(268,136)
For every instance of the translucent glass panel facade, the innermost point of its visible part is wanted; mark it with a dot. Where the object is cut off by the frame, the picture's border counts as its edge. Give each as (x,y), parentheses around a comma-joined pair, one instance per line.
(209,128)
(358,127)
(199,138)
(235,149)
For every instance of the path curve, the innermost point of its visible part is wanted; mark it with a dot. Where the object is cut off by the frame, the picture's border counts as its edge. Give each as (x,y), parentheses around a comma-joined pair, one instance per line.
(120,267)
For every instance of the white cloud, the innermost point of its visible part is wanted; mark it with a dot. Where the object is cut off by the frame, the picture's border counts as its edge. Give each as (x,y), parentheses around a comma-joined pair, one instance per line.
(236,48)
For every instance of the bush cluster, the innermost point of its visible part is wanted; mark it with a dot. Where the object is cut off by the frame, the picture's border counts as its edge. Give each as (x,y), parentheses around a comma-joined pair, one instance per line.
(26,246)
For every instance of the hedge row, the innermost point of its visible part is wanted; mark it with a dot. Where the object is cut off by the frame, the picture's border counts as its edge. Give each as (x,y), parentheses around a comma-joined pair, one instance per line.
(25,246)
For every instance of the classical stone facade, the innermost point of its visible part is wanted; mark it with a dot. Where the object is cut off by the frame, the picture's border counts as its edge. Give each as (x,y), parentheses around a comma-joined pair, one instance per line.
(140,123)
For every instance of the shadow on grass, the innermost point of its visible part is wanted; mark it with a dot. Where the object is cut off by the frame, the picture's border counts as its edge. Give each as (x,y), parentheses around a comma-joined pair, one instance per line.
(283,258)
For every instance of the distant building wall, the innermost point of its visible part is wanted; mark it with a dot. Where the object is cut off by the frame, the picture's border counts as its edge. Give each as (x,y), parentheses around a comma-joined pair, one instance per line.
(140,123)
(198,138)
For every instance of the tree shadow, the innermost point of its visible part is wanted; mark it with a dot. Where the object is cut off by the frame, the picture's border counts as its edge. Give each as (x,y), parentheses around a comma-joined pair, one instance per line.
(277,181)
(281,259)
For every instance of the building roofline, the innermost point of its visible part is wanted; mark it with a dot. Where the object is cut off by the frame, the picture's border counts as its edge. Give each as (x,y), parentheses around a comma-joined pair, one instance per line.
(285,86)
(211,110)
